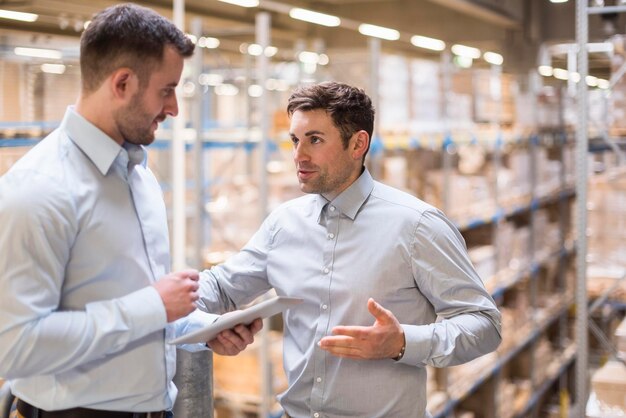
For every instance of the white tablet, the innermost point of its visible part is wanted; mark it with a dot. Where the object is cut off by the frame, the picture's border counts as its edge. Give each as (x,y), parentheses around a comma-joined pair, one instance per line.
(262,309)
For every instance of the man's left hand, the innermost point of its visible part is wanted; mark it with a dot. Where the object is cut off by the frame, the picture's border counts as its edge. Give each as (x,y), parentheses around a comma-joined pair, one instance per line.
(233,341)
(384,339)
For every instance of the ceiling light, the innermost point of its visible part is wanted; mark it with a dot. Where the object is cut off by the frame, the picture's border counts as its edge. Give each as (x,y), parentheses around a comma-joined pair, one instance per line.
(210,79)
(323,59)
(545,70)
(52,54)
(255,49)
(462,62)
(428,43)
(379,32)
(53,68)
(226,90)
(591,81)
(558,1)
(208,42)
(254,90)
(192,38)
(493,58)
(270,51)
(314,17)
(465,51)
(308,57)
(242,3)
(603,84)
(21,16)
(560,73)
(575,77)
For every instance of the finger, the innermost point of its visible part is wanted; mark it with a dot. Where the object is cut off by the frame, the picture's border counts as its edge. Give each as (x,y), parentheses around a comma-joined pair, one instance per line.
(381,314)
(231,339)
(244,334)
(337,341)
(352,331)
(347,352)
(256,326)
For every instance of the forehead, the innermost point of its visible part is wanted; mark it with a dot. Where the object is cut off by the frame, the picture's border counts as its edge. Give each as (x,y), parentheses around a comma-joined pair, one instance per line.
(308,118)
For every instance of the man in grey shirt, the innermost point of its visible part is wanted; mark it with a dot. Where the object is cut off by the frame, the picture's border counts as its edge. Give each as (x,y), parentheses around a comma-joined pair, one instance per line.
(375,266)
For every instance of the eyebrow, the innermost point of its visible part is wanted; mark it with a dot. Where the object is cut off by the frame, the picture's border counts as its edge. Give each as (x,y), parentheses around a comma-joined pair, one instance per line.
(308,133)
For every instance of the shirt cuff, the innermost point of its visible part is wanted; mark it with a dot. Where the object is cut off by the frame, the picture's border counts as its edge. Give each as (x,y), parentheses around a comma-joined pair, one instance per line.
(418,344)
(148,311)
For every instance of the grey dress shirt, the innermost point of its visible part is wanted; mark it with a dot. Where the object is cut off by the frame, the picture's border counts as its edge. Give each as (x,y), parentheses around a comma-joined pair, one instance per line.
(370,241)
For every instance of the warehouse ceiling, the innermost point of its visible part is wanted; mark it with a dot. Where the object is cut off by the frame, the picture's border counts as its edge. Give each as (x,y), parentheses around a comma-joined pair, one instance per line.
(513,28)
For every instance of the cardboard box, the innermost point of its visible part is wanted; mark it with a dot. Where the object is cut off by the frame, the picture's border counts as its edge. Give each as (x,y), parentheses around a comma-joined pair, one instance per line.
(609,384)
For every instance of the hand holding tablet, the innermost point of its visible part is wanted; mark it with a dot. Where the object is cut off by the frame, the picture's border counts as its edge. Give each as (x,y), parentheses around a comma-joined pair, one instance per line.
(228,320)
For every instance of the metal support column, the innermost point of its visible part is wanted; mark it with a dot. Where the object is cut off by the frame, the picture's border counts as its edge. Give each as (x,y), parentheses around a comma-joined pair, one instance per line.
(179,238)
(263,25)
(582,374)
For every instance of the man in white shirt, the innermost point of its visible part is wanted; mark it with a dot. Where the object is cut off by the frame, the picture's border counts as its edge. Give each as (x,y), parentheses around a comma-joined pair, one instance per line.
(375,266)
(87,303)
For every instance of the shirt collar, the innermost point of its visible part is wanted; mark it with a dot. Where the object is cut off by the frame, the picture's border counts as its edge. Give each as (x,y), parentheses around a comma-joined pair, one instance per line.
(97,146)
(349,201)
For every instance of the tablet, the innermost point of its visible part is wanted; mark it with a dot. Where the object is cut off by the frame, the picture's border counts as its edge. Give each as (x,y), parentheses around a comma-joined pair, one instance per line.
(262,309)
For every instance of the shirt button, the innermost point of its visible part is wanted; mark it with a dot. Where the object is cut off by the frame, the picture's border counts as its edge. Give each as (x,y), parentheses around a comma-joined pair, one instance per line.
(324,307)
(332,208)
(316,415)
(326,270)
(318,380)
(331,236)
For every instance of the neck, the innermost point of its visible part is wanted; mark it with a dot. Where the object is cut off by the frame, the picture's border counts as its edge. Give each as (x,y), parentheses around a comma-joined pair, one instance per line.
(90,107)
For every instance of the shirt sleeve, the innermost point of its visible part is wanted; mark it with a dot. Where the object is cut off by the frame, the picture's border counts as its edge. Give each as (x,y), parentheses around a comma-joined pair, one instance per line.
(193,322)
(468,324)
(38,230)
(242,278)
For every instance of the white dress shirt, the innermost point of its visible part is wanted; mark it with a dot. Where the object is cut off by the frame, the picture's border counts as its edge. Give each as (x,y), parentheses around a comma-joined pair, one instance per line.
(83,238)
(370,241)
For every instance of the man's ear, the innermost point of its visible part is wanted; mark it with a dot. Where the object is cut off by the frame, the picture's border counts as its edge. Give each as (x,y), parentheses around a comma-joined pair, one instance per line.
(124,83)
(360,143)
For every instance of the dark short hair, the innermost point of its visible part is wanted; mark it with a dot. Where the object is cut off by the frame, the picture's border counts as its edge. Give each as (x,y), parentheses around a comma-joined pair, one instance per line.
(349,107)
(127,35)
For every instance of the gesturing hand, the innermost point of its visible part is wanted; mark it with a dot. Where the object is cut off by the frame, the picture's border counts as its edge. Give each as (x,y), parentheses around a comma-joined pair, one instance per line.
(384,339)
(232,341)
(179,292)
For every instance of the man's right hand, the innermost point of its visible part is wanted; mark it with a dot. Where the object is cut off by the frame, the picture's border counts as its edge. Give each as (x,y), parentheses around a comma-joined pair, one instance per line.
(179,292)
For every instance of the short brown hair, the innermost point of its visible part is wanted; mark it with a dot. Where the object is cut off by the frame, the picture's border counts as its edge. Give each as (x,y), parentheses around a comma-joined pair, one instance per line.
(127,35)
(349,107)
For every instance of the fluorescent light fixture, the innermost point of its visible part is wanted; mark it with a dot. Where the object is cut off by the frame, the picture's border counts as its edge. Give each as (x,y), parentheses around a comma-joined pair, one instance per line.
(270,51)
(308,57)
(210,79)
(255,49)
(193,38)
(560,73)
(575,77)
(465,51)
(51,54)
(226,90)
(53,68)
(21,16)
(545,70)
(603,84)
(558,1)
(208,42)
(254,90)
(591,81)
(323,59)
(463,62)
(493,58)
(428,43)
(379,32)
(314,17)
(242,3)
